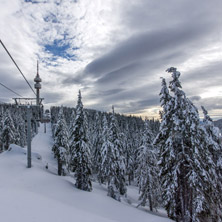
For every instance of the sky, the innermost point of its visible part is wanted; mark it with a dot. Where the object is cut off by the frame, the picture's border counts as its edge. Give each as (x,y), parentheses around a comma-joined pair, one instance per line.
(114,51)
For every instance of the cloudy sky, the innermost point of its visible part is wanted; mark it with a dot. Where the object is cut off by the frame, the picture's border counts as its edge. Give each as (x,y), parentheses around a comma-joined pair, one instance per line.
(115,51)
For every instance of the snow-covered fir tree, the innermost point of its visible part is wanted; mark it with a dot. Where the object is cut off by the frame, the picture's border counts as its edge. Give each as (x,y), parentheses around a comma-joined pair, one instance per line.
(1,127)
(201,170)
(147,171)
(184,160)
(213,137)
(20,126)
(134,141)
(129,152)
(213,144)
(8,130)
(99,157)
(80,151)
(113,164)
(96,143)
(61,142)
(71,153)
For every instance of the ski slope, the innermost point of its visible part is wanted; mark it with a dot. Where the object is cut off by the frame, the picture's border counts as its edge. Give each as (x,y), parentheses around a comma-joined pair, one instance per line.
(39,195)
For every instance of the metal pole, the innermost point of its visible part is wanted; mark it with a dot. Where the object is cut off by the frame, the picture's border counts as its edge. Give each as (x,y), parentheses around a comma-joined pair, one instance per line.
(44,127)
(36,126)
(37,97)
(29,158)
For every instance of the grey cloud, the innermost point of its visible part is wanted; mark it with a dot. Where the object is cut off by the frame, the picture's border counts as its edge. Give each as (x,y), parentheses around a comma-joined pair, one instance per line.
(149,44)
(76,78)
(106,93)
(145,70)
(11,78)
(125,101)
(154,101)
(148,14)
(52,97)
(73,80)
(199,79)
(129,80)
(140,105)
(4,100)
(195,98)
(119,74)
(211,103)
(208,71)
(133,93)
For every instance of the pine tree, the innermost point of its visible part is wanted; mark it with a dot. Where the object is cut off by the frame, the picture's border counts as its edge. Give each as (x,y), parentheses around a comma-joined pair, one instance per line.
(61,143)
(20,128)
(213,144)
(113,164)
(126,143)
(8,131)
(200,167)
(184,161)
(1,128)
(96,144)
(71,153)
(147,171)
(133,137)
(101,156)
(80,149)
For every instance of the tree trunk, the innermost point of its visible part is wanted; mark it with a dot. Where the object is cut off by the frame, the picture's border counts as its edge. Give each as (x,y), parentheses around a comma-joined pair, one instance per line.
(129,179)
(59,167)
(150,203)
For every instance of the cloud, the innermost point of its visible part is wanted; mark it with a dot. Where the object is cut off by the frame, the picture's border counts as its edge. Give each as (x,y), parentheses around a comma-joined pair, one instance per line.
(140,15)
(203,81)
(195,98)
(11,78)
(140,105)
(52,97)
(212,105)
(149,44)
(115,51)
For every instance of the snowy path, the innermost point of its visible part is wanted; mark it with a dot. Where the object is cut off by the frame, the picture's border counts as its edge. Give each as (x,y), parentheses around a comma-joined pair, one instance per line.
(42,144)
(38,195)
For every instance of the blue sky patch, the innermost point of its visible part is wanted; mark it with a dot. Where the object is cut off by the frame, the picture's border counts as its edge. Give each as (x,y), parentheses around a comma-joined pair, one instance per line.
(34,1)
(59,48)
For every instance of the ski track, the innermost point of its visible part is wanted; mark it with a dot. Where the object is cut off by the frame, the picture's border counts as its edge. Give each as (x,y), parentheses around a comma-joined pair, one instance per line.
(42,144)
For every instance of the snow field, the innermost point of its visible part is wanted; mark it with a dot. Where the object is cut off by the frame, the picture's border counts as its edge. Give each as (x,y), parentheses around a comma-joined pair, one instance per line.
(39,195)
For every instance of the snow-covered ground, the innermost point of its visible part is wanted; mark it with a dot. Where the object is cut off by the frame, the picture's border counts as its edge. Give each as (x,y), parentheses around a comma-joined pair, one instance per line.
(39,195)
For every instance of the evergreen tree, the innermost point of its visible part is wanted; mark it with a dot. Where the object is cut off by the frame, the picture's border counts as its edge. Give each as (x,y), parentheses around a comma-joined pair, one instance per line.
(8,131)
(186,178)
(101,156)
(132,141)
(213,144)
(20,128)
(61,143)
(113,164)
(71,153)
(200,169)
(97,143)
(1,128)
(80,149)
(147,171)
(127,152)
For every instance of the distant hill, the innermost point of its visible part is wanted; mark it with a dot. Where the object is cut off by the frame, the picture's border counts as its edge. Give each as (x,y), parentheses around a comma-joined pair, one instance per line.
(218,123)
